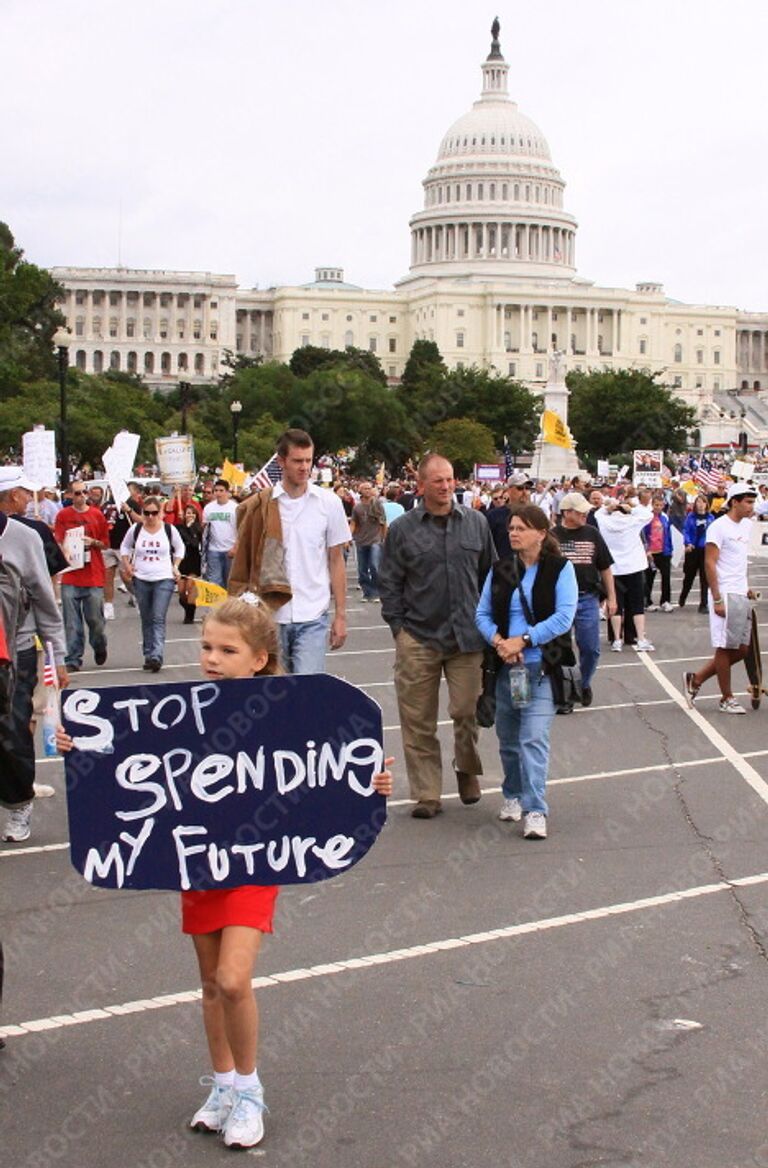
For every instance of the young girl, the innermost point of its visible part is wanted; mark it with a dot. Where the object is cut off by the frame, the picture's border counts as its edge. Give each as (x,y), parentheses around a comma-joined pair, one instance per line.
(239,640)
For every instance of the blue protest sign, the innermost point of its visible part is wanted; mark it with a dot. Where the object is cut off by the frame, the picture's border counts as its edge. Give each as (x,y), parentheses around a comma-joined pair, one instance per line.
(213,785)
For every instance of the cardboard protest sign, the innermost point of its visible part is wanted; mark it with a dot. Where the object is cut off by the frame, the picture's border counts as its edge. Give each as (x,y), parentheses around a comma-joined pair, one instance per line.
(39,448)
(218,784)
(176,459)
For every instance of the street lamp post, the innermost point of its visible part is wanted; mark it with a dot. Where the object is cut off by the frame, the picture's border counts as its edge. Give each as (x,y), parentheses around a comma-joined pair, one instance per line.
(235,409)
(61,339)
(184,388)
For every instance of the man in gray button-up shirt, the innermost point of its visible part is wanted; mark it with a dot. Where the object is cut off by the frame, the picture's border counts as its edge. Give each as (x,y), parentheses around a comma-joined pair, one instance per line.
(435,560)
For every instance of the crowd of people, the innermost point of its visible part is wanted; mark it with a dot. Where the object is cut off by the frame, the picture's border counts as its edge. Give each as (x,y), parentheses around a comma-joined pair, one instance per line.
(500,592)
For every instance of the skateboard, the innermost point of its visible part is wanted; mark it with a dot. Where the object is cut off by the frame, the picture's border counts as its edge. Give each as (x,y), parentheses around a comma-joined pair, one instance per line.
(754,666)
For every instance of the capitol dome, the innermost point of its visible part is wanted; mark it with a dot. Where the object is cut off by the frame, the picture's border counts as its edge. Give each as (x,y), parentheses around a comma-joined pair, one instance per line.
(493,200)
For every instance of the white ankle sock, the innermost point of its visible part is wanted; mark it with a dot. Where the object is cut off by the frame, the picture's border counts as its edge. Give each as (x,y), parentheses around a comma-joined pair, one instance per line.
(247,1082)
(224,1078)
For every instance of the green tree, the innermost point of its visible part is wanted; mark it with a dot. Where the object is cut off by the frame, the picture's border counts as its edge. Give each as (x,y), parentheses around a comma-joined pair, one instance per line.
(627,409)
(28,318)
(347,407)
(309,358)
(463,442)
(424,392)
(97,408)
(505,406)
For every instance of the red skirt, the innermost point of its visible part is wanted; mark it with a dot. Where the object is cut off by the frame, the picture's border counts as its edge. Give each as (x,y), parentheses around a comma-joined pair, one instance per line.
(252,905)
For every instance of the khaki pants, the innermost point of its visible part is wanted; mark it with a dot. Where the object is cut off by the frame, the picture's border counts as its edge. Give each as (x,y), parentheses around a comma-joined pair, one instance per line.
(418,670)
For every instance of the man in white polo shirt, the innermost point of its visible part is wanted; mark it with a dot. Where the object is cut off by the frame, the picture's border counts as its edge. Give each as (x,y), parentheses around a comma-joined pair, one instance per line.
(314,531)
(730,613)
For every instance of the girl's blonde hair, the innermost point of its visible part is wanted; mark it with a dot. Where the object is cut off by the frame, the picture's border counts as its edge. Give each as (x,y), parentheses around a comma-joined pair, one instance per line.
(256,626)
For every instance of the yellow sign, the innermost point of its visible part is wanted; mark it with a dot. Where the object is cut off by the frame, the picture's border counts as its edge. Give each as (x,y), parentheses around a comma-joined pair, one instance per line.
(234,476)
(206,595)
(554,430)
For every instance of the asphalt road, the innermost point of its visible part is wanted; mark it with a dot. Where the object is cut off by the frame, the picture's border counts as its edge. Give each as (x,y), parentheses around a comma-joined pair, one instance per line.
(463,998)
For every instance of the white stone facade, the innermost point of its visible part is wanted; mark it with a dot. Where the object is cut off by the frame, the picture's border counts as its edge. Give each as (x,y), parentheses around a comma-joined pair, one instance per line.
(492,281)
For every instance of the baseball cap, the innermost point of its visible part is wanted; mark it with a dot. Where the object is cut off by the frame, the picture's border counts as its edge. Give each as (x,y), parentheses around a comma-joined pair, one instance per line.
(739,490)
(519,479)
(575,501)
(13,476)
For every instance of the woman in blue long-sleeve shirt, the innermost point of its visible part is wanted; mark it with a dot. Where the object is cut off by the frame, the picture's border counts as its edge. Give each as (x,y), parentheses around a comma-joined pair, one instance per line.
(548,583)
(695,539)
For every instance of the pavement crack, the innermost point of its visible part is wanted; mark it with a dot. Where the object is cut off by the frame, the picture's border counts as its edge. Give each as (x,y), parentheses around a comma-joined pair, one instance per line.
(705,842)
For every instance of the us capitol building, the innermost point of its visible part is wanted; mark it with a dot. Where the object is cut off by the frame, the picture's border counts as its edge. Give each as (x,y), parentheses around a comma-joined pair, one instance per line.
(492,281)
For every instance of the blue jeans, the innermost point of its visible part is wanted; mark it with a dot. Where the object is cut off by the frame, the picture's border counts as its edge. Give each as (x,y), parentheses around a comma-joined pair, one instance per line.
(219,564)
(303,645)
(368,560)
(153,598)
(523,733)
(82,606)
(586,626)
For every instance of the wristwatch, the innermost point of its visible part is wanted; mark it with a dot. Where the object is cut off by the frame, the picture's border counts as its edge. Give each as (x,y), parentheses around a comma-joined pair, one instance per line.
(526,639)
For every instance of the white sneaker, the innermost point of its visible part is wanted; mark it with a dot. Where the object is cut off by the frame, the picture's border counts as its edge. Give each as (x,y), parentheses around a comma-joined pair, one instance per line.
(245,1125)
(535,826)
(511,811)
(213,1115)
(651,608)
(644,646)
(727,706)
(109,611)
(44,791)
(121,587)
(17,827)
(617,646)
(667,607)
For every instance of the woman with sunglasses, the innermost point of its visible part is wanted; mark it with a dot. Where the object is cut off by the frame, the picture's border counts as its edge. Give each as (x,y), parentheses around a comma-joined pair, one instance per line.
(151,553)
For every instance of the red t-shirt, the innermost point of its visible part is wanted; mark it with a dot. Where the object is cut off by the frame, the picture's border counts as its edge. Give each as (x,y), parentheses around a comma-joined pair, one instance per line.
(95,524)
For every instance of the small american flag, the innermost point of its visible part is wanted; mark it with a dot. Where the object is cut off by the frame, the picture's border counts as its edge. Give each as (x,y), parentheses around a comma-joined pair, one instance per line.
(50,676)
(269,474)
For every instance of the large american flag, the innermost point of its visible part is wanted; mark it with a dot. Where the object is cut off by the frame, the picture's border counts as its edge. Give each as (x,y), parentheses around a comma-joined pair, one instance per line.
(269,474)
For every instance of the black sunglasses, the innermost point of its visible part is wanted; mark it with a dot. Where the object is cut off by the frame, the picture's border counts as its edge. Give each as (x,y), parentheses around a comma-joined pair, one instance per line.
(150,512)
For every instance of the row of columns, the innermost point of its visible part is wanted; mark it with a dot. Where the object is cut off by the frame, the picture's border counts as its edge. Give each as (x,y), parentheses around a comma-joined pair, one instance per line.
(527,242)
(138,312)
(144,361)
(516,329)
(254,331)
(752,349)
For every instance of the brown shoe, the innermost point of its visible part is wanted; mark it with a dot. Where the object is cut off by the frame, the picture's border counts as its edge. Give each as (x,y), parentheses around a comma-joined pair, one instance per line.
(427,809)
(469,787)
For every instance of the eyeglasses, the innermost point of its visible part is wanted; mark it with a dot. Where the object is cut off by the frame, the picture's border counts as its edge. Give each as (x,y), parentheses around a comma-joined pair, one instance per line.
(78,492)
(150,512)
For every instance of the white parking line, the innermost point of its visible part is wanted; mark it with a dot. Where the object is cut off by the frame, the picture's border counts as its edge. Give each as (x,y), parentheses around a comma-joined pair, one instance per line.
(738,761)
(372,960)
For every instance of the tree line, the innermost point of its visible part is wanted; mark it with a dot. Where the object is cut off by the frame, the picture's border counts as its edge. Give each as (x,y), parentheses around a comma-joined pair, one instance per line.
(341,397)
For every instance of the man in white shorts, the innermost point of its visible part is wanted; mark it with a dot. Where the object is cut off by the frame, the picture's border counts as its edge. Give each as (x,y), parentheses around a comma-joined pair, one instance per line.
(730,614)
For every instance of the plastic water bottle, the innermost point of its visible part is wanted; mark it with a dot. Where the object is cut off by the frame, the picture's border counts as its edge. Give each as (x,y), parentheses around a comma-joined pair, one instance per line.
(50,722)
(519,685)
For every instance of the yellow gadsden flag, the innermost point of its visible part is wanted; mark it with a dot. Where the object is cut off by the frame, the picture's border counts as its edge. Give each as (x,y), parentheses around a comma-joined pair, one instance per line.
(206,595)
(234,476)
(554,430)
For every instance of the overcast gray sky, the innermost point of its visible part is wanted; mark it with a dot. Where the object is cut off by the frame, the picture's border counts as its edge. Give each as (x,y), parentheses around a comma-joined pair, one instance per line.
(265,139)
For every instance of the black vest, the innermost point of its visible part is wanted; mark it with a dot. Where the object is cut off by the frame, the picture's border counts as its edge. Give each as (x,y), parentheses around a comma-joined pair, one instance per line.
(507,574)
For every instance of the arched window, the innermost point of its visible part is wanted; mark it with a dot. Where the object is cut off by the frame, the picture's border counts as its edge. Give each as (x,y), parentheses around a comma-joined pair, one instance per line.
(165,362)
(149,362)
(80,359)
(114,360)
(183,362)
(132,363)
(349,339)
(98,361)
(469,191)
(678,354)
(199,363)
